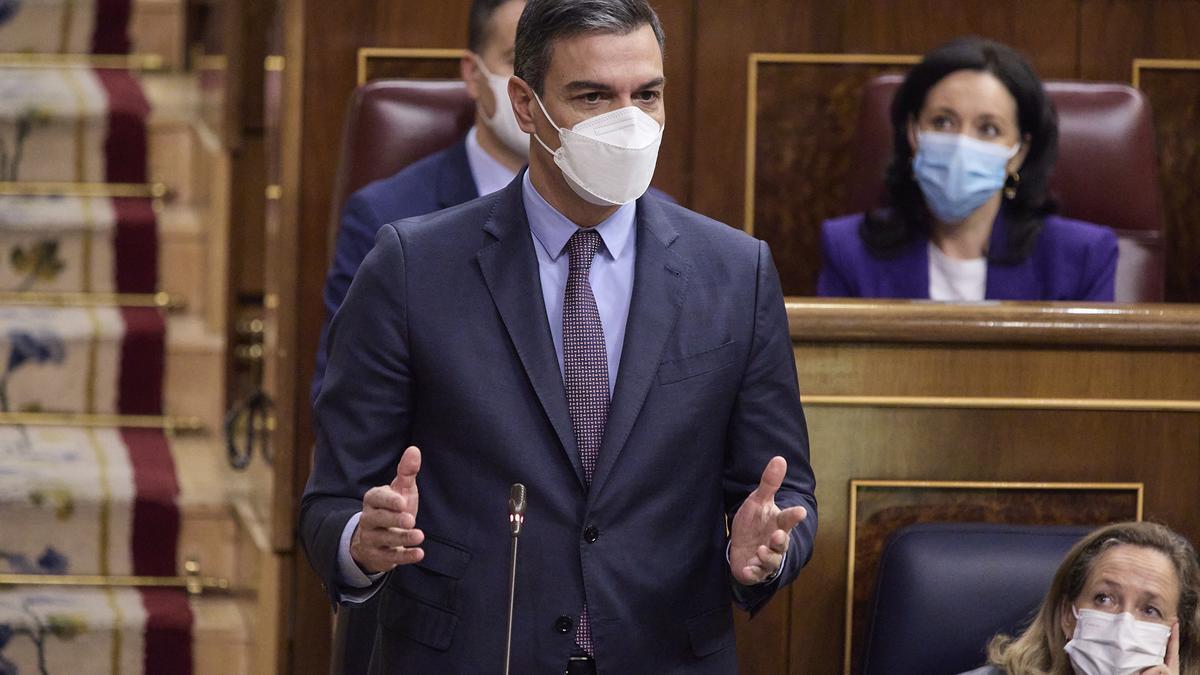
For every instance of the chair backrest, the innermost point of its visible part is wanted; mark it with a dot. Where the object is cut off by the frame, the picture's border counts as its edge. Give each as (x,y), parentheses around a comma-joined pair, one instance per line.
(393,123)
(944,589)
(1107,170)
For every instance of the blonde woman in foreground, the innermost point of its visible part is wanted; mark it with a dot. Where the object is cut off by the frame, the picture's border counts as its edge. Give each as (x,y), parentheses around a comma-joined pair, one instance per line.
(1124,601)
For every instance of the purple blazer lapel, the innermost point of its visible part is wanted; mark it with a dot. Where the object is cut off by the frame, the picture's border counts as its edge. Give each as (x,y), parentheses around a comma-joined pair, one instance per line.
(906,276)
(1007,281)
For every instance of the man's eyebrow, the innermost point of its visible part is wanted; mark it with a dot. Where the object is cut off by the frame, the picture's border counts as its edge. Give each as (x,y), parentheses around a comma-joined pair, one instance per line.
(587,85)
(582,85)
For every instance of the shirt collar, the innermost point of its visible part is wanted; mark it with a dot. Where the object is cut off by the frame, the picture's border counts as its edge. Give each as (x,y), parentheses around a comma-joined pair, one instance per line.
(552,229)
(489,174)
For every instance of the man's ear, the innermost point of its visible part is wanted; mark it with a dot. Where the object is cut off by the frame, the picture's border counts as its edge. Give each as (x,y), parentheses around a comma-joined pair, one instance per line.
(523,104)
(469,70)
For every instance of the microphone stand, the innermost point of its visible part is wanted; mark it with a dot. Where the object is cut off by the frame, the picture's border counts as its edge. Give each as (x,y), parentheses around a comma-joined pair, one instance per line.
(516,518)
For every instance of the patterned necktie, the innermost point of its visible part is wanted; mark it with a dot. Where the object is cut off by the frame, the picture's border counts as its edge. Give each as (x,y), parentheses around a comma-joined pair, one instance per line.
(585,369)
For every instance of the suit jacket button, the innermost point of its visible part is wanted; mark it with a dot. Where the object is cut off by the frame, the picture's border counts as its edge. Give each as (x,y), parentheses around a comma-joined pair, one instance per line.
(564,624)
(591,534)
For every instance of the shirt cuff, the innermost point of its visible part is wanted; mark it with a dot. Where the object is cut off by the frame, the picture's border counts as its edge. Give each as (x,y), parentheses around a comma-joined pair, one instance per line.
(770,577)
(350,575)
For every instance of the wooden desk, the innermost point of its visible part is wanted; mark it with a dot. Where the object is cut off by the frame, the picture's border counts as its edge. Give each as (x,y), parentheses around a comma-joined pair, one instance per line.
(1021,392)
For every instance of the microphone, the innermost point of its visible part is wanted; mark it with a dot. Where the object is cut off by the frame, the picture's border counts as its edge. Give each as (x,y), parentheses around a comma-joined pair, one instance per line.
(516,508)
(516,518)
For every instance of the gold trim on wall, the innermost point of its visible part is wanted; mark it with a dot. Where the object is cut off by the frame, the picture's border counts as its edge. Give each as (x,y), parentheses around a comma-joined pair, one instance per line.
(168,424)
(1160,64)
(752,102)
(192,581)
(365,54)
(1003,403)
(161,300)
(110,581)
(69,189)
(855,484)
(142,62)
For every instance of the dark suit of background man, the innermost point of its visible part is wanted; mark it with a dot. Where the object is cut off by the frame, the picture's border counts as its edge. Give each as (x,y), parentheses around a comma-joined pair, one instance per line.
(629,361)
(485,160)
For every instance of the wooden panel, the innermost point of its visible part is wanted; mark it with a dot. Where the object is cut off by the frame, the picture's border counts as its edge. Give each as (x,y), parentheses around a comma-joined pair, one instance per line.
(804,116)
(881,508)
(1175,98)
(954,371)
(412,64)
(1113,33)
(1037,323)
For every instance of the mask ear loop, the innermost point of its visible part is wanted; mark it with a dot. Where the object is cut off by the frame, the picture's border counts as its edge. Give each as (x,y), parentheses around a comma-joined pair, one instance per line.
(549,119)
(1010,190)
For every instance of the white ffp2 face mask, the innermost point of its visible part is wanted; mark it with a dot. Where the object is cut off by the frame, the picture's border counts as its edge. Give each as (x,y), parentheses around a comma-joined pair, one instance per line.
(609,159)
(1115,644)
(503,121)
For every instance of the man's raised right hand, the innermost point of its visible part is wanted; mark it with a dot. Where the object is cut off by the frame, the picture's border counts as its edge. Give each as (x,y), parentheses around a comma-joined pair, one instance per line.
(387,533)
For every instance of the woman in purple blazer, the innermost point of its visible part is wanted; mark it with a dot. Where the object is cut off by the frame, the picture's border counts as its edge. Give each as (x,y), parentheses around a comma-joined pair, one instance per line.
(975,138)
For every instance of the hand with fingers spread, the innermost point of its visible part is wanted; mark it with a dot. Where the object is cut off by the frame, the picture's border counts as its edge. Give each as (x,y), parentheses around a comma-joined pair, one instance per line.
(387,533)
(761,530)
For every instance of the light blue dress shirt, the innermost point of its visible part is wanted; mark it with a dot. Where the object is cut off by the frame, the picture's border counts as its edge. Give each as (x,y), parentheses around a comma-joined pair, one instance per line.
(489,174)
(611,274)
(612,285)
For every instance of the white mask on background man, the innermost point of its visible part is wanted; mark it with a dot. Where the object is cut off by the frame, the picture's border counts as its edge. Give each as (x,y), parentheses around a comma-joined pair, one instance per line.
(609,159)
(503,121)
(1115,644)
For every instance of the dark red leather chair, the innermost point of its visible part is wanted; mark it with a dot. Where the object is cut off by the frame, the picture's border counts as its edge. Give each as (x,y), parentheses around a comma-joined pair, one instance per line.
(390,124)
(393,123)
(1107,170)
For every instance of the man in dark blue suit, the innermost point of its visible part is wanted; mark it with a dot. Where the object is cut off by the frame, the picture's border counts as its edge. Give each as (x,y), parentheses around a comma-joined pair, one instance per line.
(626,359)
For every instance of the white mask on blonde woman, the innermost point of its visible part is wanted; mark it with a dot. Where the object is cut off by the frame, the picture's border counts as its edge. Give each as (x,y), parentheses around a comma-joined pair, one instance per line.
(1115,644)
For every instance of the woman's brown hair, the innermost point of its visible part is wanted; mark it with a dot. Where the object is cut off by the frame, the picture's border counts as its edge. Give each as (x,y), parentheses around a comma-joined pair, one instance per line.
(1039,650)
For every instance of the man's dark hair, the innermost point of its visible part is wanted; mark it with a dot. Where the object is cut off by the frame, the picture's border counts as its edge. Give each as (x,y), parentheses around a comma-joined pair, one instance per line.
(886,232)
(478,28)
(545,21)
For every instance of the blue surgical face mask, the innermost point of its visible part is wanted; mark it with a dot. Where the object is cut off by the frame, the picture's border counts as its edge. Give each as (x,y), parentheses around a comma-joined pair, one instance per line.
(957,174)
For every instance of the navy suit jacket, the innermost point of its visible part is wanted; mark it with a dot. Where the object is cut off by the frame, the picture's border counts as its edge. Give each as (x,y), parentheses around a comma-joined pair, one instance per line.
(436,182)
(1071,260)
(443,342)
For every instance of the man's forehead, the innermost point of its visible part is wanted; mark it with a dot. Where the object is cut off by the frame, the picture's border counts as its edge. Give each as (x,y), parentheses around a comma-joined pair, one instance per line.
(614,59)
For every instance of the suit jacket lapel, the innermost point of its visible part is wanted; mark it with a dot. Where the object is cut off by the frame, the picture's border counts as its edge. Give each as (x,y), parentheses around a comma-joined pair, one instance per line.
(1005,280)
(510,270)
(907,276)
(455,182)
(660,277)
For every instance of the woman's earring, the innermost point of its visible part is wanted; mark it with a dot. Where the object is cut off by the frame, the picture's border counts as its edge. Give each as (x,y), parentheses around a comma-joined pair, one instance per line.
(1010,188)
